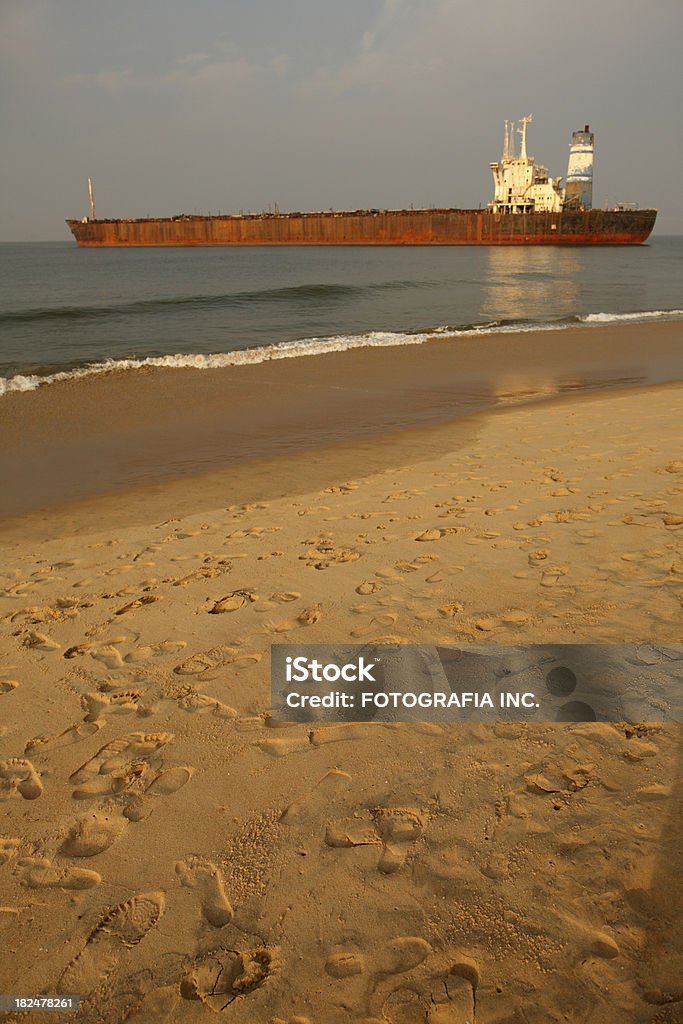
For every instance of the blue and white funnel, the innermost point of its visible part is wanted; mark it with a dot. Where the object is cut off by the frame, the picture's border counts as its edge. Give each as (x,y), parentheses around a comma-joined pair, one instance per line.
(579,188)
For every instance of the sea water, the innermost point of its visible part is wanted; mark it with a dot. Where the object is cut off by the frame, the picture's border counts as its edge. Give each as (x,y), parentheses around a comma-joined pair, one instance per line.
(70,311)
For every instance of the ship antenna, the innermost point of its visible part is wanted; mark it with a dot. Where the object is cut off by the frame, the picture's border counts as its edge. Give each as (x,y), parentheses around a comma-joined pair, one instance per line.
(506,145)
(92,199)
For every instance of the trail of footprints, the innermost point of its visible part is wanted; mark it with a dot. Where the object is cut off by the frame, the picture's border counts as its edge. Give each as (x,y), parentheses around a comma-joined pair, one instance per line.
(406,980)
(405,977)
(122,779)
(217,978)
(118,770)
(120,774)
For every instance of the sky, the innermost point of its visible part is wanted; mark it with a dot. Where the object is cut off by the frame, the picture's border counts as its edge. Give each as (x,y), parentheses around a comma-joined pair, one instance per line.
(227,105)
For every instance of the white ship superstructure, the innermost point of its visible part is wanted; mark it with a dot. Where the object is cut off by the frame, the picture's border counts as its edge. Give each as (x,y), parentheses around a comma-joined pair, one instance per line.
(523,186)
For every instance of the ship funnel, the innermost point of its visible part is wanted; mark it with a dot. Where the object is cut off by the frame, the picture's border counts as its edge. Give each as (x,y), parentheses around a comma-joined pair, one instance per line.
(579,188)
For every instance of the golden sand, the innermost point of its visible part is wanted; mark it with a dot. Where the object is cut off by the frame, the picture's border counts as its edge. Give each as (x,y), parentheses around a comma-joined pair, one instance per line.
(171,854)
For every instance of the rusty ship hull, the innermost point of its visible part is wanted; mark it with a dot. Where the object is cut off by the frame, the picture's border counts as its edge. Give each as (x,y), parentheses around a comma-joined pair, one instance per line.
(375,227)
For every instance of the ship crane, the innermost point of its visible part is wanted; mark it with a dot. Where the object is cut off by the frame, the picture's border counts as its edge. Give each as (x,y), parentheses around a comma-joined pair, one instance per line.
(92,199)
(524,121)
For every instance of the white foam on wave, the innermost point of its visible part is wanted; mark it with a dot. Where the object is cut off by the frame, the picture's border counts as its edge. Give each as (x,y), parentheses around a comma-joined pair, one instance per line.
(652,314)
(311,347)
(217,360)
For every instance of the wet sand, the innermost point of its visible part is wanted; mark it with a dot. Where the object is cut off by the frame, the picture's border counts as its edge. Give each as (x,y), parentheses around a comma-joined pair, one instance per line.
(172,854)
(120,431)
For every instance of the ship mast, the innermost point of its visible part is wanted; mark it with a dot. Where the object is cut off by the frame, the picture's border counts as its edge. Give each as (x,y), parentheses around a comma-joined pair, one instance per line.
(92,199)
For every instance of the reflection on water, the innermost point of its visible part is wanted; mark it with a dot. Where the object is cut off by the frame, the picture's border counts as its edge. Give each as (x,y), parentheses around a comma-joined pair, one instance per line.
(513,388)
(545,284)
(522,283)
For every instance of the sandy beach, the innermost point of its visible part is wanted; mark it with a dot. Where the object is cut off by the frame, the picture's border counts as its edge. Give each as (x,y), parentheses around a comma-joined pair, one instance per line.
(171,854)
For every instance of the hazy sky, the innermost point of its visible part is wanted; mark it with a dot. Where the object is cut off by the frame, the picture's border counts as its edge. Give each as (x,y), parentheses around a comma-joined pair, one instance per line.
(223,105)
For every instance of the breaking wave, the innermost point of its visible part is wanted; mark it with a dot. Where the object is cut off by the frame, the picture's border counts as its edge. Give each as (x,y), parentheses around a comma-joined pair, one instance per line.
(612,318)
(321,346)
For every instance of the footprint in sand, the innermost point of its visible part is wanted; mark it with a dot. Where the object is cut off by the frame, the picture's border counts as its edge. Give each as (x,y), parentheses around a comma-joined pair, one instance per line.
(9,847)
(74,734)
(206,573)
(147,651)
(345,964)
(332,786)
(206,662)
(17,775)
(113,782)
(88,646)
(334,733)
(282,746)
(428,535)
(453,608)
(232,602)
(41,642)
(118,702)
(441,989)
(120,929)
(170,780)
(202,702)
(379,621)
(243,661)
(413,566)
(197,873)
(157,1006)
(139,602)
(121,754)
(369,587)
(96,832)
(553,574)
(397,826)
(8,685)
(110,656)
(325,555)
(350,832)
(376,976)
(391,828)
(397,956)
(225,975)
(307,618)
(39,873)
(346,488)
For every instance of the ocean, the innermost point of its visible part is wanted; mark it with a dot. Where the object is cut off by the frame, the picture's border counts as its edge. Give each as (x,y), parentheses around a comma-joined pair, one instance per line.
(69,311)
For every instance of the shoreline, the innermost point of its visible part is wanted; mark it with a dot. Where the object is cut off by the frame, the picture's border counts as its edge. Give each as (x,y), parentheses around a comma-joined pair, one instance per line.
(119,434)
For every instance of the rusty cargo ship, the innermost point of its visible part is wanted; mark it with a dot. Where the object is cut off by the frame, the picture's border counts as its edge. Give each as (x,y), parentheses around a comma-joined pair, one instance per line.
(529,208)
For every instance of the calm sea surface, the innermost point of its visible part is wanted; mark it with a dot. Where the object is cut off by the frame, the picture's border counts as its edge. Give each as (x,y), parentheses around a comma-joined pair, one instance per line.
(64,309)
